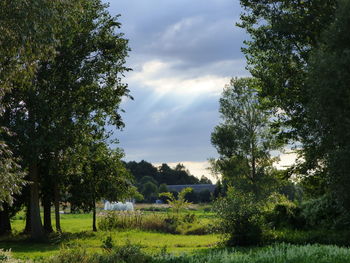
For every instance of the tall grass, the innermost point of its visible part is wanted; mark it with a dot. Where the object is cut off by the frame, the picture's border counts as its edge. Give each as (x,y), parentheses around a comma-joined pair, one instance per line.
(281,253)
(159,222)
(6,257)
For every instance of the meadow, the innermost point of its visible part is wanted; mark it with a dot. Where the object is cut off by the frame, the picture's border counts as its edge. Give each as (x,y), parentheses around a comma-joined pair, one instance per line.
(78,234)
(79,243)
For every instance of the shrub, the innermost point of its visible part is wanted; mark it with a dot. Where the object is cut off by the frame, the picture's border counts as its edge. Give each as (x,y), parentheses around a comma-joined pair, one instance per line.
(285,215)
(324,212)
(240,219)
(107,244)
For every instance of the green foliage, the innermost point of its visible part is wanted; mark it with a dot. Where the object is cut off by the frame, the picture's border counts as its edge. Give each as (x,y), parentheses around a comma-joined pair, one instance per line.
(324,212)
(163,174)
(244,139)
(326,135)
(285,215)
(128,253)
(282,36)
(107,244)
(150,191)
(240,219)
(11,175)
(6,257)
(280,253)
(185,224)
(179,203)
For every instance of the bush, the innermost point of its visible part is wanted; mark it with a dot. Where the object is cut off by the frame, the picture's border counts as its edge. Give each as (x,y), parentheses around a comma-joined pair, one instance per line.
(324,212)
(240,219)
(285,215)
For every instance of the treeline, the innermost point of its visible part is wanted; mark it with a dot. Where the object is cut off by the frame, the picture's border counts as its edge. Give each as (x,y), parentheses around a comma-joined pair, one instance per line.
(61,65)
(151,180)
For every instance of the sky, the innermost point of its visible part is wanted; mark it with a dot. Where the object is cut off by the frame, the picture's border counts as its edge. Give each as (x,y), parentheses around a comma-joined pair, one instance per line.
(182,55)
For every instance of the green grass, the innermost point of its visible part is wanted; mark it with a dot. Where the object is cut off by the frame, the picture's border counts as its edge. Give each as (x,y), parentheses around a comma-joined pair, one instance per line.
(182,248)
(77,233)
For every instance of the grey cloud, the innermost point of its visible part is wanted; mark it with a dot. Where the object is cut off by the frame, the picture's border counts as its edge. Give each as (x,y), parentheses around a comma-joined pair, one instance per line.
(211,36)
(194,39)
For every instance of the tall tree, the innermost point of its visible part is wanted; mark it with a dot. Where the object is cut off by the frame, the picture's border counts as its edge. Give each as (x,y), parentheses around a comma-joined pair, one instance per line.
(283,33)
(326,137)
(72,95)
(244,139)
(27,34)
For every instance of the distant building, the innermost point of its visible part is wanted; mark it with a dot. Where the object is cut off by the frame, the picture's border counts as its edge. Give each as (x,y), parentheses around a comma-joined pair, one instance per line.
(196,187)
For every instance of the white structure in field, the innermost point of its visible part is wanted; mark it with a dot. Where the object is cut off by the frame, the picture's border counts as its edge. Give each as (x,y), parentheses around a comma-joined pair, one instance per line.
(119,206)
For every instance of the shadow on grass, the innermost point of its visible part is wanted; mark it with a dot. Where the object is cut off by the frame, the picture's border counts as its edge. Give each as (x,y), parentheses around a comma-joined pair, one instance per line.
(22,245)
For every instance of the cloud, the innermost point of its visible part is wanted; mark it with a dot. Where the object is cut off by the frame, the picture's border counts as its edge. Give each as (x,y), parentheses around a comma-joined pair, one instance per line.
(183,54)
(172,77)
(286,160)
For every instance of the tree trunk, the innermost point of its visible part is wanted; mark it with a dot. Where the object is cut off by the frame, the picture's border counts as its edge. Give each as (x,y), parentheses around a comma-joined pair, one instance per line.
(27,227)
(94,228)
(36,227)
(5,223)
(47,214)
(57,208)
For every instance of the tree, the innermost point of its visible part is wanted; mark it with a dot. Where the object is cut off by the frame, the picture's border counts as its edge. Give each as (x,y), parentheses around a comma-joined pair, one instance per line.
(326,136)
(283,34)
(244,141)
(27,35)
(75,94)
(11,176)
(102,176)
(150,191)
(180,202)
(244,138)
(205,180)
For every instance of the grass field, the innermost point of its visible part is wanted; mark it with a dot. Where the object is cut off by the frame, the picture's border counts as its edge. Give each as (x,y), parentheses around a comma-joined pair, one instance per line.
(180,248)
(77,233)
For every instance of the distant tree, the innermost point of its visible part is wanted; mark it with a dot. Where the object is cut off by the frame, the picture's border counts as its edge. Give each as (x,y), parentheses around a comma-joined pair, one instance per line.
(204,196)
(163,188)
(163,175)
(178,203)
(205,180)
(142,169)
(150,191)
(146,179)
